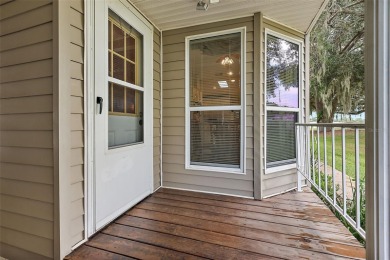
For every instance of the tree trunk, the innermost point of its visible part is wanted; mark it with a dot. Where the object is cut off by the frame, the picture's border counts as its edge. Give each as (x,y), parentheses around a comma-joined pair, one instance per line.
(323,117)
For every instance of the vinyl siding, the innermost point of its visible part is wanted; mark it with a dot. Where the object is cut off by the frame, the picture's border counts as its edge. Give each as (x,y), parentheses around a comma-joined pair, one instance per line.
(173,123)
(156,109)
(26,130)
(278,182)
(76,170)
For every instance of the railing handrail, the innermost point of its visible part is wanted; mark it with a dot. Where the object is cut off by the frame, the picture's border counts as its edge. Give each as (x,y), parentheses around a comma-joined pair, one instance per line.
(349,125)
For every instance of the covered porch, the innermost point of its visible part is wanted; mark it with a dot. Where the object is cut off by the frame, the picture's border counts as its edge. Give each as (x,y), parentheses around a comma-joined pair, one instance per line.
(173,224)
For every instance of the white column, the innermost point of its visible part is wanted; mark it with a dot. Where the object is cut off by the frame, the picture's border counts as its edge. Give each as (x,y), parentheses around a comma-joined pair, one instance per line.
(377,129)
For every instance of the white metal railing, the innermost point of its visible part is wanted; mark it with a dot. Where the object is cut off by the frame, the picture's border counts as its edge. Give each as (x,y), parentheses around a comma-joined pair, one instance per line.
(329,156)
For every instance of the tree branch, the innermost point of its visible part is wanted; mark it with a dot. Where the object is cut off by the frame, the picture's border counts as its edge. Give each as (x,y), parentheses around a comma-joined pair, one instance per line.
(352,42)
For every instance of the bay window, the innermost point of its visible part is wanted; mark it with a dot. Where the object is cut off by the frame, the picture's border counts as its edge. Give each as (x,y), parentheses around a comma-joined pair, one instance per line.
(215,93)
(283,88)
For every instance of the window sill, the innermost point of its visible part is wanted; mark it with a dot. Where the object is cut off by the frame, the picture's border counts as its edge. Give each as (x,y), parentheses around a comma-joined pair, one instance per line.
(214,169)
(281,168)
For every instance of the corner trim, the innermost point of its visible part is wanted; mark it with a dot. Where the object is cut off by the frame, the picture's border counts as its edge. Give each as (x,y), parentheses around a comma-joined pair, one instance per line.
(61,131)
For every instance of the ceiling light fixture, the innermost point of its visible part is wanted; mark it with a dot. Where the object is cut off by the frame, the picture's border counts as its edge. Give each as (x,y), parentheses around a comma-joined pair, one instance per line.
(223,84)
(201,6)
(227,61)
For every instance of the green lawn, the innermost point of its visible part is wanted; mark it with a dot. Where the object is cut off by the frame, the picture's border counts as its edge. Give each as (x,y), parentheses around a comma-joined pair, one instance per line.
(349,152)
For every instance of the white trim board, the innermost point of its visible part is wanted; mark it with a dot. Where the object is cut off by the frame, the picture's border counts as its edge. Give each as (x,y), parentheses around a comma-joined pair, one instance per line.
(208,192)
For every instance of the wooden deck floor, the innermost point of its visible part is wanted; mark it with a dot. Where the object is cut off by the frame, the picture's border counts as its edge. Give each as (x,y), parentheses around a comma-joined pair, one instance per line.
(173,224)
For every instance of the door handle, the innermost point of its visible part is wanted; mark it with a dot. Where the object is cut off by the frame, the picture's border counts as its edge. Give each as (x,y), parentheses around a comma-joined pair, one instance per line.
(99,100)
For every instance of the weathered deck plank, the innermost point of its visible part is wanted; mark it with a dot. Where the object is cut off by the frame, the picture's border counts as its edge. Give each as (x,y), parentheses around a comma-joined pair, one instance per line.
(250,233)
(180,244)
(252,208)
(175,224)
(87,252)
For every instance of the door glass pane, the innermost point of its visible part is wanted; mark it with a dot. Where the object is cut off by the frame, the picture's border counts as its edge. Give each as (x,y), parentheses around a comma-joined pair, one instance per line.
(118,38)
(118,67)
(118,101)
(130,72)
(281,138)
(215,71)
(124,51)
(215,138)
(125,116)
(282,73)
(130,47)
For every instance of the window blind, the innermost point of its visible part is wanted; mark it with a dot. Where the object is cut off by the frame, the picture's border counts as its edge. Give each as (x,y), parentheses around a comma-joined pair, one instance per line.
(215,138)
(281,138)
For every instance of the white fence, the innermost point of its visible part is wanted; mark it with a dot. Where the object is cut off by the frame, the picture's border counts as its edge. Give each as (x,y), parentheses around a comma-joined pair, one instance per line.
(329,156)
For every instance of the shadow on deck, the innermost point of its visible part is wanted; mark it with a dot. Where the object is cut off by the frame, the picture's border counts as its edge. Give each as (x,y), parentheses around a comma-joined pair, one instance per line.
(173,224)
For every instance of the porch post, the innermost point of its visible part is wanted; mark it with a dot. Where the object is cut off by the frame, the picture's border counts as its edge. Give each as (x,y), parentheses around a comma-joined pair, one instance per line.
(257,106)
(377,67)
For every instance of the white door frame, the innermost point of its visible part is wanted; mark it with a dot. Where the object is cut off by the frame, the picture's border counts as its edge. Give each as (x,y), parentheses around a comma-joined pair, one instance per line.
(89,115)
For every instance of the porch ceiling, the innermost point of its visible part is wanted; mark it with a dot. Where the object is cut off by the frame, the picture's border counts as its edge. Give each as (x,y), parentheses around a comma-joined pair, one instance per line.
(171,14)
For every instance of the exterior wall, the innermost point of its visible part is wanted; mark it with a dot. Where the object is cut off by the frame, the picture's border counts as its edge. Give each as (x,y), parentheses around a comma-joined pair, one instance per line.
(26,130)
(156,109)
(274,183)
(76,73)
(174,173)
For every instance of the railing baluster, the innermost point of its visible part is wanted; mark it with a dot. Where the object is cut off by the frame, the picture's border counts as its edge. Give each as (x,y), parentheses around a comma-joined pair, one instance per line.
(357,177)
(308,151)
(312,151)
(333,168)
(344,171)
(325,164)
(318,158)
(298,156)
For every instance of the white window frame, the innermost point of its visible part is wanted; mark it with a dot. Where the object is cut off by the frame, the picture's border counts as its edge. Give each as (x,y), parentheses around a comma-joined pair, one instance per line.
(299,110)
(242,108)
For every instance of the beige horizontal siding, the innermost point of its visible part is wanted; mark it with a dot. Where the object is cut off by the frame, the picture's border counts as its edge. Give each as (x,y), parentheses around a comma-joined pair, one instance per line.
(173,121)
(27,207)
(38,174)
(26,130)
(37,34)
(22,122)
(31,18)
(27,88)
(76,167)
(32,243)
(30,139)
(18,253)
(278,182)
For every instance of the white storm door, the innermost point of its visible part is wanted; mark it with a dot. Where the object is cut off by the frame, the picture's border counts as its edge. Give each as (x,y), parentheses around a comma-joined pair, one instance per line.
(123,113)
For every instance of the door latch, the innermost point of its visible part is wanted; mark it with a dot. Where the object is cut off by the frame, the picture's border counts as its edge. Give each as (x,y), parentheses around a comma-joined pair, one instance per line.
(99,101)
